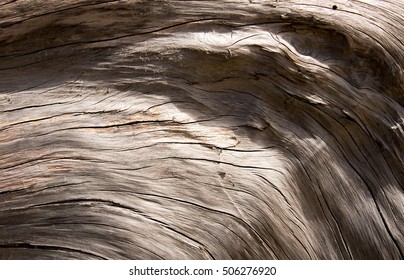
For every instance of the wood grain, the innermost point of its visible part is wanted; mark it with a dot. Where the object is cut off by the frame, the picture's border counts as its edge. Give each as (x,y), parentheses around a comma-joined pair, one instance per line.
(201,129)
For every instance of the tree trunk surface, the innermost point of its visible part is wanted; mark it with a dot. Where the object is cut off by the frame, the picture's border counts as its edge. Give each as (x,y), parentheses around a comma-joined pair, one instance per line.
(201,129)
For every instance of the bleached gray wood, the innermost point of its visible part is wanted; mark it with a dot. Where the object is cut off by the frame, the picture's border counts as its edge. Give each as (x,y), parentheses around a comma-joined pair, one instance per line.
(201,129)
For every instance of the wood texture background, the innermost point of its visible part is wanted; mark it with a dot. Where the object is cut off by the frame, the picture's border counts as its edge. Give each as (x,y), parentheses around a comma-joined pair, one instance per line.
(201,129)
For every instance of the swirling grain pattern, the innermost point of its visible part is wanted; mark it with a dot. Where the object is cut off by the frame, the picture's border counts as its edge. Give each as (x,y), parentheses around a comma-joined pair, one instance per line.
(252,129)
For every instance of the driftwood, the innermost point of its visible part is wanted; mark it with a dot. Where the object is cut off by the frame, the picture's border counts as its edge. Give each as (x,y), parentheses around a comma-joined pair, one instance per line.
(201,129)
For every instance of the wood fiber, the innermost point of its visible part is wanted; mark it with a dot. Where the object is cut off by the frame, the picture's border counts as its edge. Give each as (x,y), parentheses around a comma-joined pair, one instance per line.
(201,129)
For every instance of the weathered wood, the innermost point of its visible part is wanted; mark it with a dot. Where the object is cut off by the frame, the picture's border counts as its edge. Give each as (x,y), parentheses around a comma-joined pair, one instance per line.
(201,129)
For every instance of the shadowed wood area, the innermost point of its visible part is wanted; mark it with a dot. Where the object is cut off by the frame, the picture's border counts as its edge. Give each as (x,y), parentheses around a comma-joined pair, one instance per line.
(252,129)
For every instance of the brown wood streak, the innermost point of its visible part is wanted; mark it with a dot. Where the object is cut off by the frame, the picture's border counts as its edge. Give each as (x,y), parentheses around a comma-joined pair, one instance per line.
(201,129)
